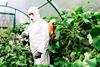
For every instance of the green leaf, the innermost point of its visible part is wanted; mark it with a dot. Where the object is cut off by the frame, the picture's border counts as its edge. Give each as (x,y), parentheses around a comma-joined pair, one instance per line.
(91,62)
(1,60)
(69,20)
(96,42)
(98,62)
(90,38)
(95,31)
(20,63)
(79,10)
(57,45)
(97,15)
(21,57)
(77,63)
(73,54)
(87,15)
(60,62)
(86,20)
(98,56)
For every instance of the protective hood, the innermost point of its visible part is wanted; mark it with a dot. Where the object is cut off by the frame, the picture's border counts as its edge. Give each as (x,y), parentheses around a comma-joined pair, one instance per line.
(33,13)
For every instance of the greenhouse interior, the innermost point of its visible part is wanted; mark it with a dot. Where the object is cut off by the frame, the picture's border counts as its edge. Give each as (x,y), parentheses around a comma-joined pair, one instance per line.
(49,33)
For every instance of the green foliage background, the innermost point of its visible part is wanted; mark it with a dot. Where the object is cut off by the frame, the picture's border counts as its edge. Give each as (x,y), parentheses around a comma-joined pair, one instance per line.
(76,37)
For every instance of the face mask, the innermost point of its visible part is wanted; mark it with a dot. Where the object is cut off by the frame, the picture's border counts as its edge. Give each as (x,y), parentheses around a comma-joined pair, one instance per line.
(31,17)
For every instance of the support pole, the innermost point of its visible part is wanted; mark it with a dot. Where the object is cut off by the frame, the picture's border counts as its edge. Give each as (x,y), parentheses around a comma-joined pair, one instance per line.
(49,1)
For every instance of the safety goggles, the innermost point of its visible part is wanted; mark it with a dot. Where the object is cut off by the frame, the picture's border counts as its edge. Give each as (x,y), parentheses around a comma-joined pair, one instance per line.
(31,14)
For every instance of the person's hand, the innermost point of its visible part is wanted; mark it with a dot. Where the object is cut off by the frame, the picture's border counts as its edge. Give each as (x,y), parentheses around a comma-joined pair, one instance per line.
(38,55)
(23,35)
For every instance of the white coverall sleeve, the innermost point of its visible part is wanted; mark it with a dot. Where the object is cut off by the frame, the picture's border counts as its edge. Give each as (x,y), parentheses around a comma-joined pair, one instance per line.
(26,32)
(43,38)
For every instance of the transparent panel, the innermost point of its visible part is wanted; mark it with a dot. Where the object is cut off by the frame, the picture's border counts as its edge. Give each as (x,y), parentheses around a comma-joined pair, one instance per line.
(20,18)
(67,4)
(47,10)
(6,9)
(6,20)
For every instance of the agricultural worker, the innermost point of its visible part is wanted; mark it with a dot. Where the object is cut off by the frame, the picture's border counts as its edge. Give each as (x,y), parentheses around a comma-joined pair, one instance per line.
(38,32)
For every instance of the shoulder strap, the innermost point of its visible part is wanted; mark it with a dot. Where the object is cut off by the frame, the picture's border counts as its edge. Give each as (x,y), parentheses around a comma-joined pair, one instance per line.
(52,29)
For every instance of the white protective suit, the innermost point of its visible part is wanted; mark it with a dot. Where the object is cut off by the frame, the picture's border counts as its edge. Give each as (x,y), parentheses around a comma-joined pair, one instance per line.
(38,32)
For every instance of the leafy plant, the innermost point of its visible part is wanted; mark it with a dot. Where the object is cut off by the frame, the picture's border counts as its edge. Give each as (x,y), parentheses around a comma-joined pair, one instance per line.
(20,28)
(13,54)
(71,37)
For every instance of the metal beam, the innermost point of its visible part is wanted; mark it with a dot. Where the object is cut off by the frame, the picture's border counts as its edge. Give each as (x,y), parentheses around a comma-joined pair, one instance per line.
(43,5)
(49,1)
(14,9)
(7,13)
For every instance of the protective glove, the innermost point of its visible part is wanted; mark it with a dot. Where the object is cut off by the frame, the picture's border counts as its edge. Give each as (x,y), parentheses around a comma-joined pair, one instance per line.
(23,35)
(38,55)
(24,38)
